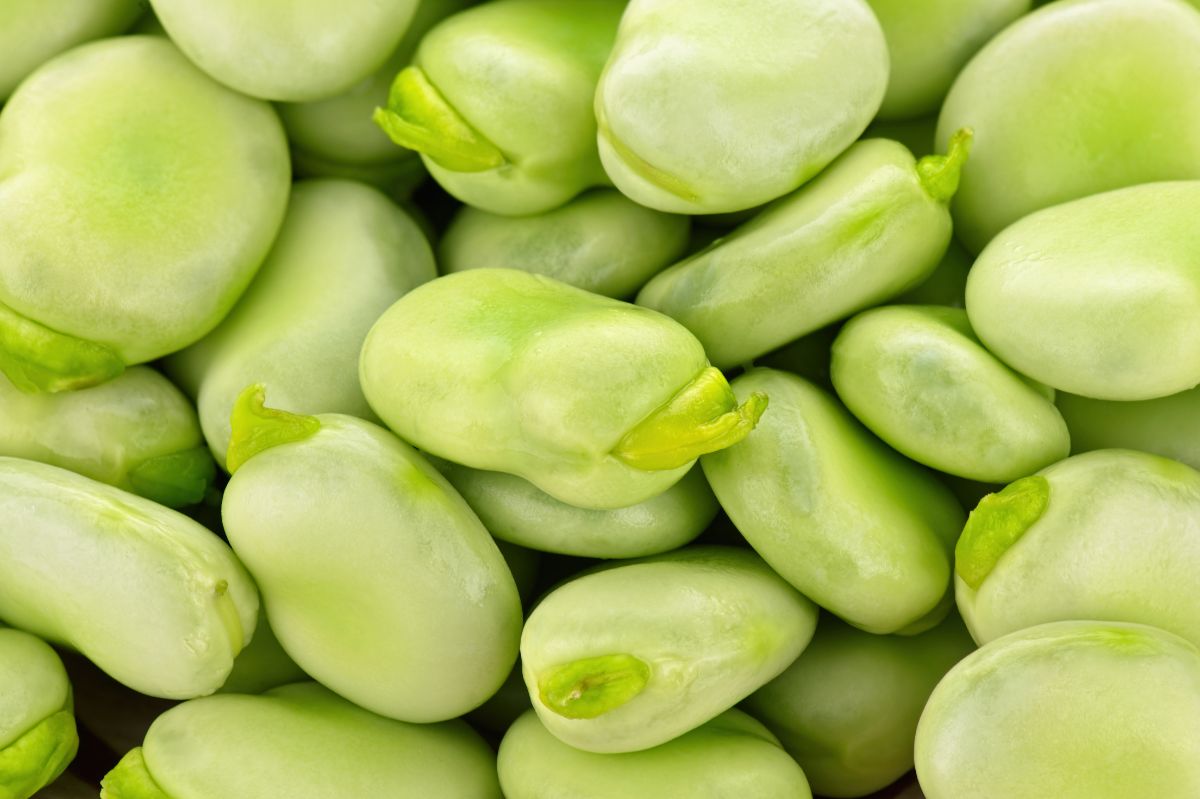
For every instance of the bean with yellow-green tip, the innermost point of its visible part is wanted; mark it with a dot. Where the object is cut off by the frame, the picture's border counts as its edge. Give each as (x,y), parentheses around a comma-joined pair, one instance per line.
(628,657)
(147,594)
(599,403)
(37,727)
(369,563)
(301,741)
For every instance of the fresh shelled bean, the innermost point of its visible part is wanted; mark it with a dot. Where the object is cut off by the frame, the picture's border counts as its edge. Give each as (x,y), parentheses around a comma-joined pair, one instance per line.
(599,403)
(929,42)
(513,509)
(37,727)
(1073,710)
(1112,535)
(285,49)
(919,379)
(856,528)
(874,224)
(629,657)
(1077,98)
(1167,426)
(1113,316)
(369,563)
(137,199)
(463,104)
(848,708)
(706,106)
(303,742)
(344,254)
(148,595)
(136,432)
(731,755)
(34,31)
(601,241)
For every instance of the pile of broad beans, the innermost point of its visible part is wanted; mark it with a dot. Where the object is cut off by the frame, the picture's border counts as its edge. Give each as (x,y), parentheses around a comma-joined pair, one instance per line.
(590,399)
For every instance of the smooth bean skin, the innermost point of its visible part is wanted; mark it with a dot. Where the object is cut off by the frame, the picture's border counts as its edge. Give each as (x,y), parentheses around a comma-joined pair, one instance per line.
(136,432)
(629,657)
(344,254)
(706,106)
(137,199)
(929,42)
(81,563)
(731,755)
(304,742)
(498,101)
(37,726)
(34,31)
(917,376)
(598,403)
(1167,426)
(262,664)
(515,510)
(295,50)
(338,131)
(852,525)
(601,242)
(1110,85)
(369,564)
(1117,538)
(1073,710)
(869,227)
(847,709)
(1113,316)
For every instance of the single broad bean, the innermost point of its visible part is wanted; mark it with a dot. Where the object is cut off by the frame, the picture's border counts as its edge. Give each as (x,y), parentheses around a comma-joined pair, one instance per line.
(137,199)
(848,708)
(136,432)
(262,664)
(513,509)
(1167,426)
(601,242)
(148,595)
(337,133)
(874,224)
(1109,83)
(369,563)
(917,376)
(37,725)
(599,403)
(1112,535)
(1112,315)
(1072,710)
(295,50)
(858,529)
(930,41)
(631,656)
(707,106)
(344,254)
(498,102)
(303,742)
(732,755)
(34,31)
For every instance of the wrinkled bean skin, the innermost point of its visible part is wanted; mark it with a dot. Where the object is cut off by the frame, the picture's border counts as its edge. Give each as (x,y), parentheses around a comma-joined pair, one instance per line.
(707,107)
(344,254)
(1109,83)
(625,658)
(853,526)
(731,755)
(81,561)
(303,742)
(1113,317)
(1111,534)
(1073,710)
